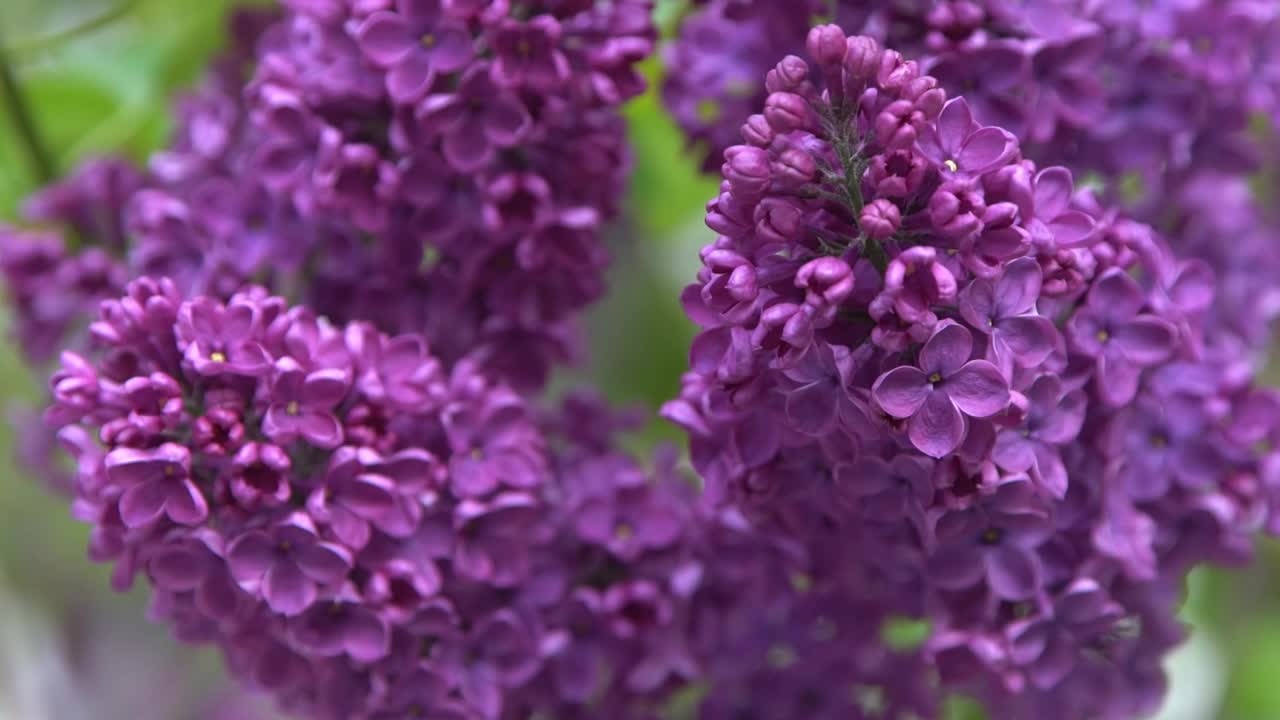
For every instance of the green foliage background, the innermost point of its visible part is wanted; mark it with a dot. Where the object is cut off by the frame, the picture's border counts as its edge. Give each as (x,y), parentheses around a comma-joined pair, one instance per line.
(99,76)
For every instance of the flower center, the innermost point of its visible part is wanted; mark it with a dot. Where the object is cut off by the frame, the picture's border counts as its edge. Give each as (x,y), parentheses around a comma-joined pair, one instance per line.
(477,453)
(624,531)
(293,408)
(1103,336)
(524,48)
(218,356)
(429,40)
(1159,440)
(951,165)
(990,536)
(169,471)
(935,378)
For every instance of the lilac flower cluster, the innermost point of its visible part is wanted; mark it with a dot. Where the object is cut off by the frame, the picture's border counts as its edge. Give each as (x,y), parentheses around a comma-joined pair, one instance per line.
(1154,101)
(918,343)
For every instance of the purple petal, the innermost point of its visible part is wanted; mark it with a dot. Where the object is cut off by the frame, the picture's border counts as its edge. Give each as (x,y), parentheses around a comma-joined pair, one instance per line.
(323,563)
(410,78)
(902,391)
(454,48)
(365,637)
(321,429)
(955,123)
(1053,189)
(956,566)
(369,495)
(1116,296)
(286,589)
(143,503)
(1013,452)
(1050,470)
(812,408)
(1145,340)
(185,504)
(467,148)
(978,389)
(1072,229)
(938,428)
(250,555)
(1012,572)
(386,38)
(986,150)
(326,388)
(506,120)
(1030,338)
(178,569)
(1019,287)
(948,349)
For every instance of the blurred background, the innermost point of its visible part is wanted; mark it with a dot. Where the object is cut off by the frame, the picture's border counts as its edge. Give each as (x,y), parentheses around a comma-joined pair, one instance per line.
(99,76)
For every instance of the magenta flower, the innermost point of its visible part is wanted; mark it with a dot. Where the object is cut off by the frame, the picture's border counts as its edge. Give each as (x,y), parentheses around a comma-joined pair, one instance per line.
(302,404)
(287,563)
(938,396)
(1111,329)
(1045,202)
(157,483)
(350,499)
(217,338)
(414,44)
(476,120)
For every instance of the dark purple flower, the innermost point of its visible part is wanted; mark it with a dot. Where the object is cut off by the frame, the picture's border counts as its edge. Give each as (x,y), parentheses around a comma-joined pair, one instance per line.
(157,483)
(1048,646)
(350,499)
(996,542)
(1111,329)
(947,387)
(493,538)
(1053,419)
(287,563)
(415,43)
(528,54)
(1163,441)
(630,522)
(476,120)
(260,476)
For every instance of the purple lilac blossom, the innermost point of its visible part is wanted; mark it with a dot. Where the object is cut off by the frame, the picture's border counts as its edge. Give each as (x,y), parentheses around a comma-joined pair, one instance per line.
(1018,375)
(1155,102)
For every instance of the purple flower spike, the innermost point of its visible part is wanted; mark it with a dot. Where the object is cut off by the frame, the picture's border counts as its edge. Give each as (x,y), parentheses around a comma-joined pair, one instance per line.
(217,338)
(157,483)
(947,387)
(1111,329)
(414,44)
(302,404)
(475,120)
(287,564)
(959,146)
(1006,311)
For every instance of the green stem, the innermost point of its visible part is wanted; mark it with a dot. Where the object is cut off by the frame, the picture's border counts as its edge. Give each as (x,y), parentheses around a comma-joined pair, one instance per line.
(16,104)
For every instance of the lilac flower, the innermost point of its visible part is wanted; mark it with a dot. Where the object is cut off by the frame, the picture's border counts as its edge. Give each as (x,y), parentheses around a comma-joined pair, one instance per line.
(302,404)
(156,483)
(996,542)
(415,43)
(261,476)
(1005,311)
(1111,329)
(475,120)
(220,338)
(287,564)
(1048,646)
(947,387)
(528,54)
(1165,441)
(1053,419)
(630,522)
(342,626)
(1045,203)
(962,147)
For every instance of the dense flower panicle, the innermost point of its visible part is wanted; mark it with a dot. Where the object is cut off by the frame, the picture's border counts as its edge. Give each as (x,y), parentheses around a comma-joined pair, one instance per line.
(918,343)
(368,534)
(1154,101)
